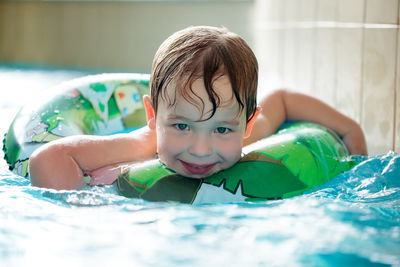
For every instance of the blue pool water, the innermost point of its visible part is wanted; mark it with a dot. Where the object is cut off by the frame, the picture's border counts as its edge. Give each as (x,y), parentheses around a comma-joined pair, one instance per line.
(354,220)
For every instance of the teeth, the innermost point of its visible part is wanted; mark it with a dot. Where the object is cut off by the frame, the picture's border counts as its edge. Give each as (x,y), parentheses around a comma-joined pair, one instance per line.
(199,167)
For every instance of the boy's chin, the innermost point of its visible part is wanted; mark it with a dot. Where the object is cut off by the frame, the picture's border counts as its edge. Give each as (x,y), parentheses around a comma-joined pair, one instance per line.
(192,176)
(190,172)
(197,176)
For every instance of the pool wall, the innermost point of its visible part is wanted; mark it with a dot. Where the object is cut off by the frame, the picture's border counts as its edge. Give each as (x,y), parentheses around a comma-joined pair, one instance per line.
(343,52)
(119,34)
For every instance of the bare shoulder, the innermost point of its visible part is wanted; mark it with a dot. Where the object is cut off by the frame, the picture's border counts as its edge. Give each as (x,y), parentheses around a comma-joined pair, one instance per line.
(270,117)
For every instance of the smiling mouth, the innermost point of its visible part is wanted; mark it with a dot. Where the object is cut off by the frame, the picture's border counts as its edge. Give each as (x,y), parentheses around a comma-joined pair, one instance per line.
(197,168)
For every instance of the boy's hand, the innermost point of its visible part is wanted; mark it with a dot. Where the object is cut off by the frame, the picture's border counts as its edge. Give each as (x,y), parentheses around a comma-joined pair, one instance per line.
(104,176)
(355,141)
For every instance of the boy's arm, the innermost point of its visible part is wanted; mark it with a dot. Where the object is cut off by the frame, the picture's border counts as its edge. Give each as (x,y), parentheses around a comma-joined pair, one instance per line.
(60,164)
(282,105)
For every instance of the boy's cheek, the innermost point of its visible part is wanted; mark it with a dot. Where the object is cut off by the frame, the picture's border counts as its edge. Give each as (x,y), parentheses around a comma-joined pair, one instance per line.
(169,144)
(232,149)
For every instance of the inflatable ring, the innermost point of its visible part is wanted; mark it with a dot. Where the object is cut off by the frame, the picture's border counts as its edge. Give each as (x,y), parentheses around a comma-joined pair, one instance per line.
(97,105)
(299,157)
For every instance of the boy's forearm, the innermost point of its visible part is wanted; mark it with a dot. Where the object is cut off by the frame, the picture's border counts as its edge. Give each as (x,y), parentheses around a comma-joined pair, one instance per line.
(61,164)
(283,105)
(306,108)
(302,107)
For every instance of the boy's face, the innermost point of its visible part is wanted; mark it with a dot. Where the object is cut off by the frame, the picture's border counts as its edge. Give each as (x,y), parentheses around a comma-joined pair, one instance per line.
(196,148)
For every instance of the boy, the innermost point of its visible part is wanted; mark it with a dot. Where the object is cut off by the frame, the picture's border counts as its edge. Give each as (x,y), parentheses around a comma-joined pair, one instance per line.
(201,111)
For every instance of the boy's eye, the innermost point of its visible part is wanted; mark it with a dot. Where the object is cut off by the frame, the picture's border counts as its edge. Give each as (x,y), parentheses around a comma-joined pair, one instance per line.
(222,130)
(181,126)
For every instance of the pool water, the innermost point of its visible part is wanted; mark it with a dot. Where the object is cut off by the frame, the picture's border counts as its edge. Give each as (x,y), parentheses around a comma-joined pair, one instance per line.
(353,220)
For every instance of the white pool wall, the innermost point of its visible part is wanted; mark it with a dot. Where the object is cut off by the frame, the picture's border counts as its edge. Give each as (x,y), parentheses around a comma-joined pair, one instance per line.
(346,53)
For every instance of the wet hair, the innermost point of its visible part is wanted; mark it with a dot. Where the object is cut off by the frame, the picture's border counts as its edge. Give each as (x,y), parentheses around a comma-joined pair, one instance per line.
(208,53)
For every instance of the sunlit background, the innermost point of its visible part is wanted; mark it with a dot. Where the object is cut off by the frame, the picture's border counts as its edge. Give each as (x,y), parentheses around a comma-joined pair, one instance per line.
(343,52)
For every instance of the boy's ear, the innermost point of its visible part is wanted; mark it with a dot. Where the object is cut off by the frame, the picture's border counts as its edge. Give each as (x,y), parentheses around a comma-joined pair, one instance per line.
(250,124)
(150,114)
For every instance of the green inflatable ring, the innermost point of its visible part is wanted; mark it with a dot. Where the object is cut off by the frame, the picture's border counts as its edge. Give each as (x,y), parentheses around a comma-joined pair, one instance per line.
(299,157)
(98,105)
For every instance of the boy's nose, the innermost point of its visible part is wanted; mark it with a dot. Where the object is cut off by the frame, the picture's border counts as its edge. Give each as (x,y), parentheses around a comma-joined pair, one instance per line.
(200,146)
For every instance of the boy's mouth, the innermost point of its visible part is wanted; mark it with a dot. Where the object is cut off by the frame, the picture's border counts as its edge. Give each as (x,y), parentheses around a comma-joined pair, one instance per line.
(197,168)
